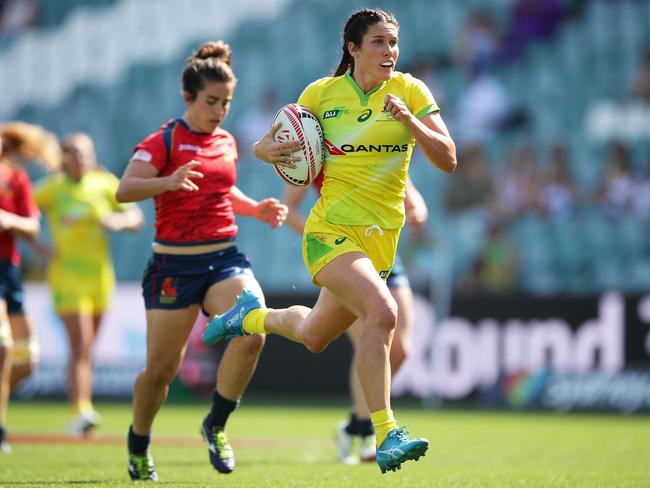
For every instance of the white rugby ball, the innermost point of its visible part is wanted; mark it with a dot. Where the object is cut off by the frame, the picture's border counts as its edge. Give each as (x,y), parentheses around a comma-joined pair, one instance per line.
(299,124)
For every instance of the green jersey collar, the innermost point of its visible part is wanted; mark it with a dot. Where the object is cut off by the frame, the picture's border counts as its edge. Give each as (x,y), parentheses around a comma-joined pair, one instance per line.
(363,97)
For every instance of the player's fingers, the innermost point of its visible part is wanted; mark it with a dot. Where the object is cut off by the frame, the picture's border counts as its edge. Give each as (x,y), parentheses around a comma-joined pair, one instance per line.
(192,163)
(291,146)
(275,128)
(286,164)
(195,174)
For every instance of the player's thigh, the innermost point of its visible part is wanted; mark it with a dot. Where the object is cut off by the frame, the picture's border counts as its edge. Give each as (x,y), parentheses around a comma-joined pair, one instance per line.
(167,333)
(220,297)
(355,283)
(328,319)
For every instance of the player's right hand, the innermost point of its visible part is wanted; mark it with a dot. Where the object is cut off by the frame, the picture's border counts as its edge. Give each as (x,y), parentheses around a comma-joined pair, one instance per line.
(271,151)
(181,179)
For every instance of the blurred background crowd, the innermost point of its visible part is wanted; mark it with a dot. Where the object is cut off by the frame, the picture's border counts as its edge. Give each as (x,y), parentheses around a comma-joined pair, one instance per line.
(548,101)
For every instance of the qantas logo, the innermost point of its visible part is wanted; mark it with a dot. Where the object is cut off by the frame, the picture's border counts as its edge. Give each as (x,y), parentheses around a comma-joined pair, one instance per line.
(368,148)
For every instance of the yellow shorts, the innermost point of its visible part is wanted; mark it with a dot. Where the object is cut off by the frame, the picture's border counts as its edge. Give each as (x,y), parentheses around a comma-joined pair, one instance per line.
(323,242)
(88,294)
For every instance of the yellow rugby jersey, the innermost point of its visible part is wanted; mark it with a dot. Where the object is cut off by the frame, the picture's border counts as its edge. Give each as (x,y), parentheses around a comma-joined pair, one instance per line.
(73,211)
(368,151)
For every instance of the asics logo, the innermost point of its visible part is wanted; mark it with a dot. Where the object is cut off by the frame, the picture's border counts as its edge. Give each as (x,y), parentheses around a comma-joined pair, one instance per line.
(235,317)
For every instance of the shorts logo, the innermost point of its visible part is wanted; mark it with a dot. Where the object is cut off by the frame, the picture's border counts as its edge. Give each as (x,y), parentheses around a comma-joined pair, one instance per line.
(168,292)
(340,241)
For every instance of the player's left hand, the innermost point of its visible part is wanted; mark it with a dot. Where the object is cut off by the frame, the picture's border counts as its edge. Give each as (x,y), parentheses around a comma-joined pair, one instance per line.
(271,211)
(397,108)
(417,214)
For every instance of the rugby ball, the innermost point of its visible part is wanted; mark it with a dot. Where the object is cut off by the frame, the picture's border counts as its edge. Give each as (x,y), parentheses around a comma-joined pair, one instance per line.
(299,124)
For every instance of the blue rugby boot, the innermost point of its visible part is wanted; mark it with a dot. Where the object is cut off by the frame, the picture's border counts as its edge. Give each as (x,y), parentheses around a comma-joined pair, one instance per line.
(397,448)
(231,324)
(222,456)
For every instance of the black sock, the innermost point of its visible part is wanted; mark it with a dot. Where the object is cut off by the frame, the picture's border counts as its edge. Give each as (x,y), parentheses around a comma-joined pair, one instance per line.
(365,427)
(220,411)
(359,427)
(3,433)
(138,444)
(352,427)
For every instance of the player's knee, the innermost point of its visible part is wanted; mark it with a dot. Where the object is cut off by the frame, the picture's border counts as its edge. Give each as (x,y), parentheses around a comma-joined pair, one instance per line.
(254,343)
(385,320)
(161,375)
(315,342)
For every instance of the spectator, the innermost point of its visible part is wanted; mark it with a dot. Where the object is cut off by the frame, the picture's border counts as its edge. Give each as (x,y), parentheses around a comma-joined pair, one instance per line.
(530,20)
(16,17)
(627,119)
(616,190)
(478,41)
(558,191)
(482,107)
(498,263)
(472,186)
(515,189)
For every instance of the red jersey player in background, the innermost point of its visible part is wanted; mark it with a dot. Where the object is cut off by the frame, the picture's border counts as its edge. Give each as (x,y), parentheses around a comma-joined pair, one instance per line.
(18,218)
(188,167)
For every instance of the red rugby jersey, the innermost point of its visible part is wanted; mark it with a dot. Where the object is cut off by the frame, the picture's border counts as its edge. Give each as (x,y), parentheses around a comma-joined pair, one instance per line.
(15,197)
(202,216)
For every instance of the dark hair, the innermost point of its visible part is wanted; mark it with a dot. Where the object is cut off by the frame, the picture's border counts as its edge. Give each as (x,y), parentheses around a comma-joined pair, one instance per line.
(354,30)
(210,62)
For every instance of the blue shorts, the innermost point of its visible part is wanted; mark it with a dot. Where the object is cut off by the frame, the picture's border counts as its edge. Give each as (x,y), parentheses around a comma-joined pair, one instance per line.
(11,287)
(397,277)
(173,281)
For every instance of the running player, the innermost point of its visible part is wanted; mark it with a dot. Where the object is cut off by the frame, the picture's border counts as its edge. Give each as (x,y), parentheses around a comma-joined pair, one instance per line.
(80,207)
(188,167)
(19,142)
(371,116)
(359,425)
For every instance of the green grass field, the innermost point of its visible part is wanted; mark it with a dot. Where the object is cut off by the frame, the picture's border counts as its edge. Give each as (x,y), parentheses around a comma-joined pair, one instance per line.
(281,446)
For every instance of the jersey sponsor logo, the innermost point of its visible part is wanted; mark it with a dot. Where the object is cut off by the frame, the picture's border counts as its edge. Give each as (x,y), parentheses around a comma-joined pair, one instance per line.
(340,240)
(384,274)
(370,148)
(188,147)
(334,113)
(168,293)
(365,115)
(332,149)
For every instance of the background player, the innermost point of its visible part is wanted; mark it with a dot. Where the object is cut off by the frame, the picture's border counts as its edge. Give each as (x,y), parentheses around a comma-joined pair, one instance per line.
(80,207)
(19,142)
